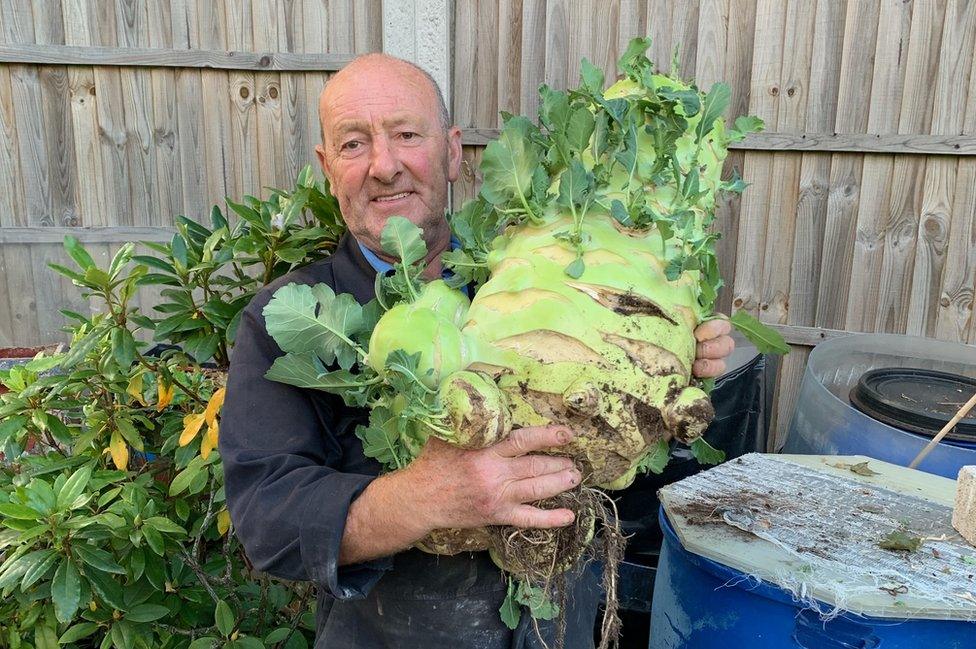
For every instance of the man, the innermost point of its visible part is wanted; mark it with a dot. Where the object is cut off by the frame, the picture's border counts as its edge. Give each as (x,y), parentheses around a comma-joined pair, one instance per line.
(306,502)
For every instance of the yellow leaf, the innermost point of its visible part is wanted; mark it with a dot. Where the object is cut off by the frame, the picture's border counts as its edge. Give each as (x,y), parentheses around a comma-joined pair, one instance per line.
(214,405)
(134,388)
(119,450)
(209,441)
(223,521)
(191,426)
(164,394)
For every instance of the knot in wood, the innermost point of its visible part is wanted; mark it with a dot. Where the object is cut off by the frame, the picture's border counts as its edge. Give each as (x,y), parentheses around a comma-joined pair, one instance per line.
(265,61)
(774,90)
(244,92)
(273,92)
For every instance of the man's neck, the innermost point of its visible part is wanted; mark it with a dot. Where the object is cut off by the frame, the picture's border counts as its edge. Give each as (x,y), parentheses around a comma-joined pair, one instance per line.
(437,243)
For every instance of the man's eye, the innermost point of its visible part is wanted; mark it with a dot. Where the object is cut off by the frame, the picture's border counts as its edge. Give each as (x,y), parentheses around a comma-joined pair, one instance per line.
(352,145)
(408,135)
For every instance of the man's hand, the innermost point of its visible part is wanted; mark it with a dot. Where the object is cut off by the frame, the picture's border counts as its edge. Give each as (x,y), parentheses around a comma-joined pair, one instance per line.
(447,486)
(714,346)
(491,486)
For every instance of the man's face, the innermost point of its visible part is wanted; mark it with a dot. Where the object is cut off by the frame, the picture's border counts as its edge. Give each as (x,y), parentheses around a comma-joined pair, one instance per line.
(385,151)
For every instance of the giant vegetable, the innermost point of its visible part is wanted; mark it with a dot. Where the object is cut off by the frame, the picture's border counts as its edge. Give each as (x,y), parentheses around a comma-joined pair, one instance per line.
(590,247)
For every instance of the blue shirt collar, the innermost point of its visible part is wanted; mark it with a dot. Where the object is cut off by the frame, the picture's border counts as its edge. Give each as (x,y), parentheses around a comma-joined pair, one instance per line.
(382,267)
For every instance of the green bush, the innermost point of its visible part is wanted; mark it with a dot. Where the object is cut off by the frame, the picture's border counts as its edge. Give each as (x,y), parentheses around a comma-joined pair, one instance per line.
(113,525)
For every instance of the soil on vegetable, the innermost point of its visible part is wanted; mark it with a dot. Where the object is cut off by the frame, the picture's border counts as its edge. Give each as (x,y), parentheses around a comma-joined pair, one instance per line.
(649,421)
(633,304)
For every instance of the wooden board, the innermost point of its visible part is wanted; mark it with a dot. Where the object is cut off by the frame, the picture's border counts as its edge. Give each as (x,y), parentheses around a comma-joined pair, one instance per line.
(814,526)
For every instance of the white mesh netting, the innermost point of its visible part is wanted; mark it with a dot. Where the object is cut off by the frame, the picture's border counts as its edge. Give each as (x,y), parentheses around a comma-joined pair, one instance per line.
(825,532)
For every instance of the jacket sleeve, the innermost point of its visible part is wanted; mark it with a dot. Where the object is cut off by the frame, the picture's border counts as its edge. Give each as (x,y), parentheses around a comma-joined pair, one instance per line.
(280,452)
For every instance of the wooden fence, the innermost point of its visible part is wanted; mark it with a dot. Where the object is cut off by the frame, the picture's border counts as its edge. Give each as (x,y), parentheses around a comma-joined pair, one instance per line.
(117,115)
(861,210)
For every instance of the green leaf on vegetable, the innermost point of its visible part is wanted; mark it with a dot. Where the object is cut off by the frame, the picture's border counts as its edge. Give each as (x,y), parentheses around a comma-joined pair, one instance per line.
(656,458)
(313,319)
(716,101)
(511,610)
(766,339)
(403,240)
(508,164)
(705,453)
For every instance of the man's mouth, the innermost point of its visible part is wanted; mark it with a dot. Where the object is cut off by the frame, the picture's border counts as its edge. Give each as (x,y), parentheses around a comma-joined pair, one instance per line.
(389,198)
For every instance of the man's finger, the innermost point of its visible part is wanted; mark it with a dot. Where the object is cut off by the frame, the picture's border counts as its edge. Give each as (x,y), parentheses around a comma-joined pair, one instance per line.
(545,486)
(531,466)
(532,438)
(715,348)
(529,516)
(713,329)
(708,369)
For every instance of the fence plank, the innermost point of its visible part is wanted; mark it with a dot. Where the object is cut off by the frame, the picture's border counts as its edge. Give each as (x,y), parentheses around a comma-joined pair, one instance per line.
(268,86)
(11,179)
(110,108)
(955,315)
(20,293)
(171,58)
(845,170)
(295,112)
(188,92)
(793,81)
(165,119)
(908,175)
(955,310)
(890,66)
(533,55)
(137,97)
(215,106)
(241,124)
(509,60)
(811,209)
(314,39)
(765,84)
(951,88)
(739,39)
(11,195)
(84,118)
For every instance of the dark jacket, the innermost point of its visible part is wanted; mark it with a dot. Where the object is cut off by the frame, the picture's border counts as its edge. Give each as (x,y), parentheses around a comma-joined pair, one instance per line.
(293,465)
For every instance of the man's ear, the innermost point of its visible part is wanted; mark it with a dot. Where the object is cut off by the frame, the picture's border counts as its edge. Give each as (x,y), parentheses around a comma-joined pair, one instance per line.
(453,153)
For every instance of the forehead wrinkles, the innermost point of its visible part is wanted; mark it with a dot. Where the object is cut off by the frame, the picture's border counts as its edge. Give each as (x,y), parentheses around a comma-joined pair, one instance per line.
(365,90)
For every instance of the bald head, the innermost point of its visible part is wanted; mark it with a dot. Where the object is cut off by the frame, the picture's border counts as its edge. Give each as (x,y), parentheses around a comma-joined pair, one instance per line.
(367,65)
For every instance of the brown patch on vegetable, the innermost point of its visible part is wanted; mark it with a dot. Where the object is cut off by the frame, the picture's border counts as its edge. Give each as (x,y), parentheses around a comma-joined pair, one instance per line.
(689,421)
(651,359)
(626,304)
(650,423)
(547,347)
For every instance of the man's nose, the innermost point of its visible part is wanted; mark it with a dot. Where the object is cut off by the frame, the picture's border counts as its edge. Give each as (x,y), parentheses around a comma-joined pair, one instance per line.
(384,165)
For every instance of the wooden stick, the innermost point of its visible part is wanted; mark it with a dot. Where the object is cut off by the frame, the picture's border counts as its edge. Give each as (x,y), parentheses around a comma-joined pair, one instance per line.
(945,430)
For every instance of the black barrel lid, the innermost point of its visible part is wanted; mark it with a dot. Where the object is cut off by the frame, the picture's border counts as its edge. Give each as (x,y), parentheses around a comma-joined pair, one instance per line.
(916,400)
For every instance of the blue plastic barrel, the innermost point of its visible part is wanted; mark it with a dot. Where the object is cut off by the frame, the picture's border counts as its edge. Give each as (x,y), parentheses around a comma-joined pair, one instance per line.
(825,423)
(701,604)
